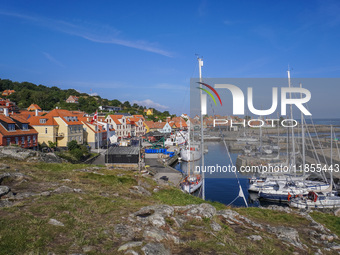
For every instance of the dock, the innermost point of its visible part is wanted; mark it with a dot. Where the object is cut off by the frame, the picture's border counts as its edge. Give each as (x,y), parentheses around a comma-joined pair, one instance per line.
(159,167)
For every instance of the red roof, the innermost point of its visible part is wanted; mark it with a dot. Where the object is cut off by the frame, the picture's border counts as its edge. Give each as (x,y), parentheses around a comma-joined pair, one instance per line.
(35,121)
(34,106)
(93,127)
(18,131)
(6,119)
(65,116)
(116,118)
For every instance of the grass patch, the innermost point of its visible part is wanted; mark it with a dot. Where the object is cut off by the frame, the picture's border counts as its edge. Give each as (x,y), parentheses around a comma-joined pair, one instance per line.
(173,196)
(19,235)
(111,179)
(273,217)
(332,222)
(56,167)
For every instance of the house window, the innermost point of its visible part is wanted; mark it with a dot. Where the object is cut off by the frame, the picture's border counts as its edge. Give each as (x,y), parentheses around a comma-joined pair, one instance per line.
(42,121)
(24,126)
(8,141)
(34,139)
(11,127)
(16,140)
(45,130)
(28,139)
(22,140)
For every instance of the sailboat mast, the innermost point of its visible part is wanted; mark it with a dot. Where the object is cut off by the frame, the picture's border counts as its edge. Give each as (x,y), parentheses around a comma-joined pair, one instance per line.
(200,64)
(303,140)
(331,166)
(291,116)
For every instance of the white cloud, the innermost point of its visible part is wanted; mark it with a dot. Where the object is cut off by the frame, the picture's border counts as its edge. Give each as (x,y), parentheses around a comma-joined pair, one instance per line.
(149,103)
(52,59)
(93,32)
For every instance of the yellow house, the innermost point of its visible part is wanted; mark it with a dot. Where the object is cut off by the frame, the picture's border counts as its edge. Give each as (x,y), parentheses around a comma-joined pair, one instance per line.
(60,126)
(46,127)
(148,111)
(33,107)
(93,133)
(148,126)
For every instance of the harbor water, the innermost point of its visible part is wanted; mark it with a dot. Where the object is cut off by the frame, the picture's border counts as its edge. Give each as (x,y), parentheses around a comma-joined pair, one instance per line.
(224,187)
(220,186)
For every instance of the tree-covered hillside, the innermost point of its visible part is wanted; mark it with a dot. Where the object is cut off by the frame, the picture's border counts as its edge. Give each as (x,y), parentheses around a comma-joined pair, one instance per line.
(48,98)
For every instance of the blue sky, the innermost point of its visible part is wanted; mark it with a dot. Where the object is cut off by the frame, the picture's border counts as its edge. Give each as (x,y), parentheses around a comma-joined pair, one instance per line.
(144,51)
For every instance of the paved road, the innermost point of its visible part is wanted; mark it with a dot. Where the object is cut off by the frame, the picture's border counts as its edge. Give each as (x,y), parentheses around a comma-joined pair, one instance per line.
(101,159)
(163,172)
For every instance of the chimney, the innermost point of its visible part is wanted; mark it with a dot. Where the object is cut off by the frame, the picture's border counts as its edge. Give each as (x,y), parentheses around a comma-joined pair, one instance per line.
(6,112)
(36,112)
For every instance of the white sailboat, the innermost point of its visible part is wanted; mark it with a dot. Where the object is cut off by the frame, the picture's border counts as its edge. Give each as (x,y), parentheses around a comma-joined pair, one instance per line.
(191,152)
(283,191)
(191,183)
(325,199)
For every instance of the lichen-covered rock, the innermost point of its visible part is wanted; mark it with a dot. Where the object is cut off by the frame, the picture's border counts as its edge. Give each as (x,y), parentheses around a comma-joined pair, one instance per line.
(202,210)
(255,238)
(4,190)
(287,234)
(56,223)
(4,166)
(215,227)
(129,245)
(159,235)
(63,189)
(125,232)
(139,190)
(155,249)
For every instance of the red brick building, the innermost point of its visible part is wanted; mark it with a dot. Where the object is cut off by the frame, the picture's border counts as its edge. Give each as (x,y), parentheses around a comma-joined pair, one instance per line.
(14,130)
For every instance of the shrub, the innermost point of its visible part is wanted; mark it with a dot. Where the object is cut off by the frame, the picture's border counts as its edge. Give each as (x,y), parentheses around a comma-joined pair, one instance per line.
(77,153)
(72,145)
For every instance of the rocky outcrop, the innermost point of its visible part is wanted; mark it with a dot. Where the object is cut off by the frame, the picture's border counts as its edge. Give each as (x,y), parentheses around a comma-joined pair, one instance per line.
(155,249)
(29,155)
(155,225)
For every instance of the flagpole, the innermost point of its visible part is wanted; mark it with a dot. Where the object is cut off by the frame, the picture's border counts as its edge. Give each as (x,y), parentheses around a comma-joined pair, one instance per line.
(97,130)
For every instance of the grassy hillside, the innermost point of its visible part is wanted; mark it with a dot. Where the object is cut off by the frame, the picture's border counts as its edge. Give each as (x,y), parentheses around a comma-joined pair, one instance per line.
(91,202)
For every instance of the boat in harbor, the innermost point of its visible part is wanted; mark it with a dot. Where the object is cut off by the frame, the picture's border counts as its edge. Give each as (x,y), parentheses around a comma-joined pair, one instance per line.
(191,152)
(324,199)
(283,188)
(282,192)
(176,139)
(320,200)
(191,183)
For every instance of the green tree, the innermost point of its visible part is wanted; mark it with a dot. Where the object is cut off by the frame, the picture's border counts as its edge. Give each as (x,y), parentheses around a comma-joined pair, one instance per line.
(115,102)
(72,145)
(52,145)
(126,104)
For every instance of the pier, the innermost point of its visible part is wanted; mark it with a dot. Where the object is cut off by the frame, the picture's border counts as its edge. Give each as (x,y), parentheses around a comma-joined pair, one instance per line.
(159,166)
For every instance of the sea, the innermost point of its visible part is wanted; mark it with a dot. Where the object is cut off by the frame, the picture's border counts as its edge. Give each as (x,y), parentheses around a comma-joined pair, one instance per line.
(224,187)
